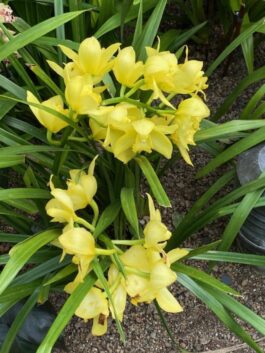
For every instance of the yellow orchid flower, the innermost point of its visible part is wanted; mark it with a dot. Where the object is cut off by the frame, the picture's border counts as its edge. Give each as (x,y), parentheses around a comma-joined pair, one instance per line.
(142,135)
(118,292)
(190,78)
(94,306)
(126,131)
(98,122)
(137,268)
(188,116)
(61,207)
(135,257)
(81,95)
(148,276)
(155,232)
(159,70)
(69,71)
(78,241)
(48,120)
(125,69)
(91,58)
(81,186)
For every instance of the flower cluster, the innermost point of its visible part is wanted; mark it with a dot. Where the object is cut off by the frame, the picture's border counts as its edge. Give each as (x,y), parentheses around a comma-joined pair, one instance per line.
(6,14)
(125,125)
(142,272)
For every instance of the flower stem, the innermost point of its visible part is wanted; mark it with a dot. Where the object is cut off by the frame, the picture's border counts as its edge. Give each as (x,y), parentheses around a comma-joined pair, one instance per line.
(122,90)
(105,251)
(135,88)
(85,223)
(128,242)
(132,101)
(51,140)
(79,139)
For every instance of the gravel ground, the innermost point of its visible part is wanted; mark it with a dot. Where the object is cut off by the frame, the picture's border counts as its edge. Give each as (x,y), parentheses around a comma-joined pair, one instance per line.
(196,328)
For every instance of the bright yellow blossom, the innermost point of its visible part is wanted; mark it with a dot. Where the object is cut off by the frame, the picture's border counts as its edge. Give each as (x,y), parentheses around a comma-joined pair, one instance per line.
(78,241)
(52,123)
(188,116)
(95,306)
(142,135)
(148,276)
(81,95)
(126,132)
(69,71)
(61,207)
(159,70)
(91,58)
(81,186)
(118,292)
(190,78)
(125,69)
(155,232)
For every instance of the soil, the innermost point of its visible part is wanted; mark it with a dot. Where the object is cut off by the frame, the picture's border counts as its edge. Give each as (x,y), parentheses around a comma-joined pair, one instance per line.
(196,329)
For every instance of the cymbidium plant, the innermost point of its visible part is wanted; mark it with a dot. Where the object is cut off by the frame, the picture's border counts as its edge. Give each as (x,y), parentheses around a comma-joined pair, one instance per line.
(102,126)
(127,127)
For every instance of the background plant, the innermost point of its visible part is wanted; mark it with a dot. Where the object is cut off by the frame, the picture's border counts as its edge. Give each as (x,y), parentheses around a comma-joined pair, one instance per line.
(25,149)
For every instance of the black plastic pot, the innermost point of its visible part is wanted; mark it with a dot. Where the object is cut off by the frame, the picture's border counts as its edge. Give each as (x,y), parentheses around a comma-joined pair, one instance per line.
(251,237)
(33,330)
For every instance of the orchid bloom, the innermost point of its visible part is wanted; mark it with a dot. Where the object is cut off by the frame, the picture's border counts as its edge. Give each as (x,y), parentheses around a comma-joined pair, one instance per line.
(188,116)
(118,292)
(61,207)
(92,58)
(80,243)
(155,232)
(125,69)
(159,70)
(148,278)
(81,186)
(94,306)
(81,95)
(52,122)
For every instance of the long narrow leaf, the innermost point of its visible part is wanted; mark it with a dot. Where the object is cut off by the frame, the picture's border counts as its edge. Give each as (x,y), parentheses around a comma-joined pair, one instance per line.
(35,32)
(20,253)
(203,277)
(129,208)
(239,309)
(252,103)
(66,314)
(219,310)
(227,129)
(238,218)
(232,151)
(255,76)
(150,30)
(153,181)
(18,322)
(232,257)
(232,46)
(20,193)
